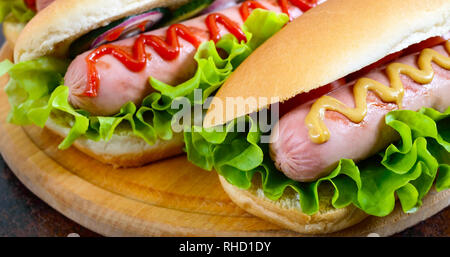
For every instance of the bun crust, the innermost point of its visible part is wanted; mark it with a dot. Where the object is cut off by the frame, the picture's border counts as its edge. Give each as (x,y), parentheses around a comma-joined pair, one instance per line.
(123,150)
(327,43)
(55,27)
(286,212)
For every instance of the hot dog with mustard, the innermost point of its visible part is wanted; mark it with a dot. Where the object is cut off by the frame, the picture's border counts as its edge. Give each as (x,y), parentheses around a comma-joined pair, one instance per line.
(363,93)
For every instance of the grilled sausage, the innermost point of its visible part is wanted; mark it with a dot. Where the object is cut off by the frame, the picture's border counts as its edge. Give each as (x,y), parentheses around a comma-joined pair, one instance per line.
(302,160)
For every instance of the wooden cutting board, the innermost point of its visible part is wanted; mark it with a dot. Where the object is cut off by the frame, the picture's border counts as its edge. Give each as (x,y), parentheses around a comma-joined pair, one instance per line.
(167,198)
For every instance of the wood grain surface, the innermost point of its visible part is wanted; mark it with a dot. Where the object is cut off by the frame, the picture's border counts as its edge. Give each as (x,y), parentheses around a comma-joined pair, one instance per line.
(168,198)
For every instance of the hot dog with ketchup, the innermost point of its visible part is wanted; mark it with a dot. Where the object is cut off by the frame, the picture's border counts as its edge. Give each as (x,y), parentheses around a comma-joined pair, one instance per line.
(365,118)
(107,82)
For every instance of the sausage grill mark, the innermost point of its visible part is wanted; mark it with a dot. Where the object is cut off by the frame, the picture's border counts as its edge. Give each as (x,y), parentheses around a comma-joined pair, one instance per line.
(169,49)
(318,131)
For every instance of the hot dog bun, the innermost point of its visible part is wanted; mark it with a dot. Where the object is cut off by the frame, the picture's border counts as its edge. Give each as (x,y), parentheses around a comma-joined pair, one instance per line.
(122,150)
(331,41)
(55,27)
(286,212)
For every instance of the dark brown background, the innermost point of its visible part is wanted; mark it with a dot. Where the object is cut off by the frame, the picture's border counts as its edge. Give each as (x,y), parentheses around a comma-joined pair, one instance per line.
(23,214)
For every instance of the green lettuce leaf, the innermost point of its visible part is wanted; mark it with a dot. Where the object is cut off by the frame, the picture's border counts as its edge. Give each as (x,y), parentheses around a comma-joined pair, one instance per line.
(407,169)
(17,8)
(30,86)
(36,91)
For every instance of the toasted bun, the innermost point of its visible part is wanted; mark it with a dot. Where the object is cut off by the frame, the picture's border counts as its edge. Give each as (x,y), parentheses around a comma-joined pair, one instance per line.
(11,30)
(286,212)
(122,150)
(327,43)
(55,27)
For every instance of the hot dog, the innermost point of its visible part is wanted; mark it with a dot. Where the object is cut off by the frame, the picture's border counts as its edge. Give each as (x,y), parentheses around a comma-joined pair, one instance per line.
(97,70)
(364,105)
(303,160)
